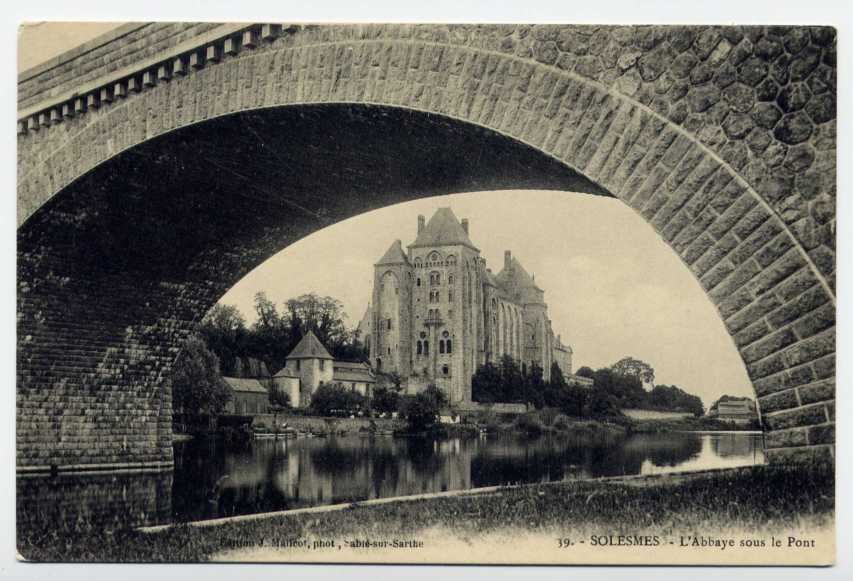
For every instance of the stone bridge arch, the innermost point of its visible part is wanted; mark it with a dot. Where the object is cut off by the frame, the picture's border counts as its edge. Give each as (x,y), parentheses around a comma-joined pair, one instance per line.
(138,153)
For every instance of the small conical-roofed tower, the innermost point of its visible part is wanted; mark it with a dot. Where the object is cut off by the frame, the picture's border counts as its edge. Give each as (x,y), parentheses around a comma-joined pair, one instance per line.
(312,364)
(390,350)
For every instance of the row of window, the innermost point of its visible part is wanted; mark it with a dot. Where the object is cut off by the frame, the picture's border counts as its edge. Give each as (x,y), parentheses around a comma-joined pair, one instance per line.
(435,279)
(435,296)
(434,259)
(444,346)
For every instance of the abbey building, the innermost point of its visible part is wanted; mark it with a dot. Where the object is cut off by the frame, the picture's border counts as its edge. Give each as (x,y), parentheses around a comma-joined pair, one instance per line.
(438,312)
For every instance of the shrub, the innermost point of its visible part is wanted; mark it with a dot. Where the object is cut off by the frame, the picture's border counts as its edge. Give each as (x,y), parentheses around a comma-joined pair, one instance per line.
(529,424)
(336,400)
(421,411)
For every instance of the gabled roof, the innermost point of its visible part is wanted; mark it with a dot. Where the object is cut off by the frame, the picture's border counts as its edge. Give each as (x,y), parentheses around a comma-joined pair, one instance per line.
(394,255)
(285,372)
(309,347)
(244,385)
(443,229)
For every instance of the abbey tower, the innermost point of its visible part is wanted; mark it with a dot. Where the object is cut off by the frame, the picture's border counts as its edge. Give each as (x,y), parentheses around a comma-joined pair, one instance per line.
(437,312)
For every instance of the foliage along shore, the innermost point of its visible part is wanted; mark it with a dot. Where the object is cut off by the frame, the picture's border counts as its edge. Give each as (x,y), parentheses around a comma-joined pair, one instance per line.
(759,499)
(533,423)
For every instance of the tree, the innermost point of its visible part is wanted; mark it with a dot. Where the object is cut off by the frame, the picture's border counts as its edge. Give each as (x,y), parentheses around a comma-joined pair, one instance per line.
(601,405)
(630,367)
(279,398)
(333,399)
(224,319)
(421,411)
(322,315)
(223,329)
(385,400)
(673,398)
(197,386)
(585,372)
(625,390)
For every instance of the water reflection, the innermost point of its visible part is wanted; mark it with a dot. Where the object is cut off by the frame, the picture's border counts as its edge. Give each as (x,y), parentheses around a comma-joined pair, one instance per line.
(214,479)
(285,474)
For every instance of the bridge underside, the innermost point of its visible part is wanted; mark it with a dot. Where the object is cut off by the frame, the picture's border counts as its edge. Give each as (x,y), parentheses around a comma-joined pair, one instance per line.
(114,270)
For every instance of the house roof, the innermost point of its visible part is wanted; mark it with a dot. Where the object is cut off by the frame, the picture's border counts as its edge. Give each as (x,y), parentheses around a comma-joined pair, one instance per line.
(245,385)
(443,229)
(309,347)
(285,372)
(394,255)
(352,371)
(352,375)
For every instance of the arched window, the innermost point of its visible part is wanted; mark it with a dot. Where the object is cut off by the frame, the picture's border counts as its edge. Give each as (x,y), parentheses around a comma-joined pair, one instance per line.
(450,295)
(420,347)
(449,346)
(426,347)
(418,262)
(445,369)
(450,279)
(419,281)
(441,346)
(434,278)
(434,258)
(451,260)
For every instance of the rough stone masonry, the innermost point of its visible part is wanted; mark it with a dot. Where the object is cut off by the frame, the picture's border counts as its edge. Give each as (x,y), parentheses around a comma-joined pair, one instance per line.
(161,162)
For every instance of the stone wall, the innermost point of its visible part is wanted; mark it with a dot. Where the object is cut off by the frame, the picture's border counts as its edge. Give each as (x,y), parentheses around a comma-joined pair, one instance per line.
(723,138)
(91,502)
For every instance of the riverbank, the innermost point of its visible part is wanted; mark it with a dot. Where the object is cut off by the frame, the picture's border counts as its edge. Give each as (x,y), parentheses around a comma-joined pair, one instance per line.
(690,424)
(760,499)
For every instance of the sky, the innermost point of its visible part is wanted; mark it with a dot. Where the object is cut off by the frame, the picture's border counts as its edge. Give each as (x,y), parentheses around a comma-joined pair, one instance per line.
(613,287)
(40,41)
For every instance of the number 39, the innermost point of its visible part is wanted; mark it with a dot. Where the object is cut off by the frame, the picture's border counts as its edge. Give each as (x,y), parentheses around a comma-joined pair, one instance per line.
(564,542)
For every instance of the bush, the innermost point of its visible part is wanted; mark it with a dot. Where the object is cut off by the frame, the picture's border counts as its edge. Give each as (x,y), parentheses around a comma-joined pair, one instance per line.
(421,411)
(385,400)
(336,400)
(529,424)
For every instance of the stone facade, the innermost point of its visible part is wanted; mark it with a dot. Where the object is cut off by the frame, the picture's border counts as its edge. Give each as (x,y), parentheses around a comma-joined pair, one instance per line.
(438,313)
(723,138)
(310,366)
(563,356)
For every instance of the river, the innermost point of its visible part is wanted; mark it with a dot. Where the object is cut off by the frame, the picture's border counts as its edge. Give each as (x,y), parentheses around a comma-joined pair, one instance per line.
(213,478)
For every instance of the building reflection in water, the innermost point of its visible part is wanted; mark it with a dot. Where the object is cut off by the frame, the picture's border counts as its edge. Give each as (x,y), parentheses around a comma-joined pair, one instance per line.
(286,474)
(214,479)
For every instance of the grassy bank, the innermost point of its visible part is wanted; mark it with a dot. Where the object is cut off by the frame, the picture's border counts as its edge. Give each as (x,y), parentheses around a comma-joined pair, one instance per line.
(758,499)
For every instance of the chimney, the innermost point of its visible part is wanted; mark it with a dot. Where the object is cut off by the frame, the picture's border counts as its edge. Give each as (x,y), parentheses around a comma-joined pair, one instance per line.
(465,225)
(421,222)
(507,258)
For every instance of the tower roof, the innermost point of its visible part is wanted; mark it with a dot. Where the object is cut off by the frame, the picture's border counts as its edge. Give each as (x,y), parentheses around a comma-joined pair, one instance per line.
(394,255)
(309,347)
(443,229)
(517,272)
